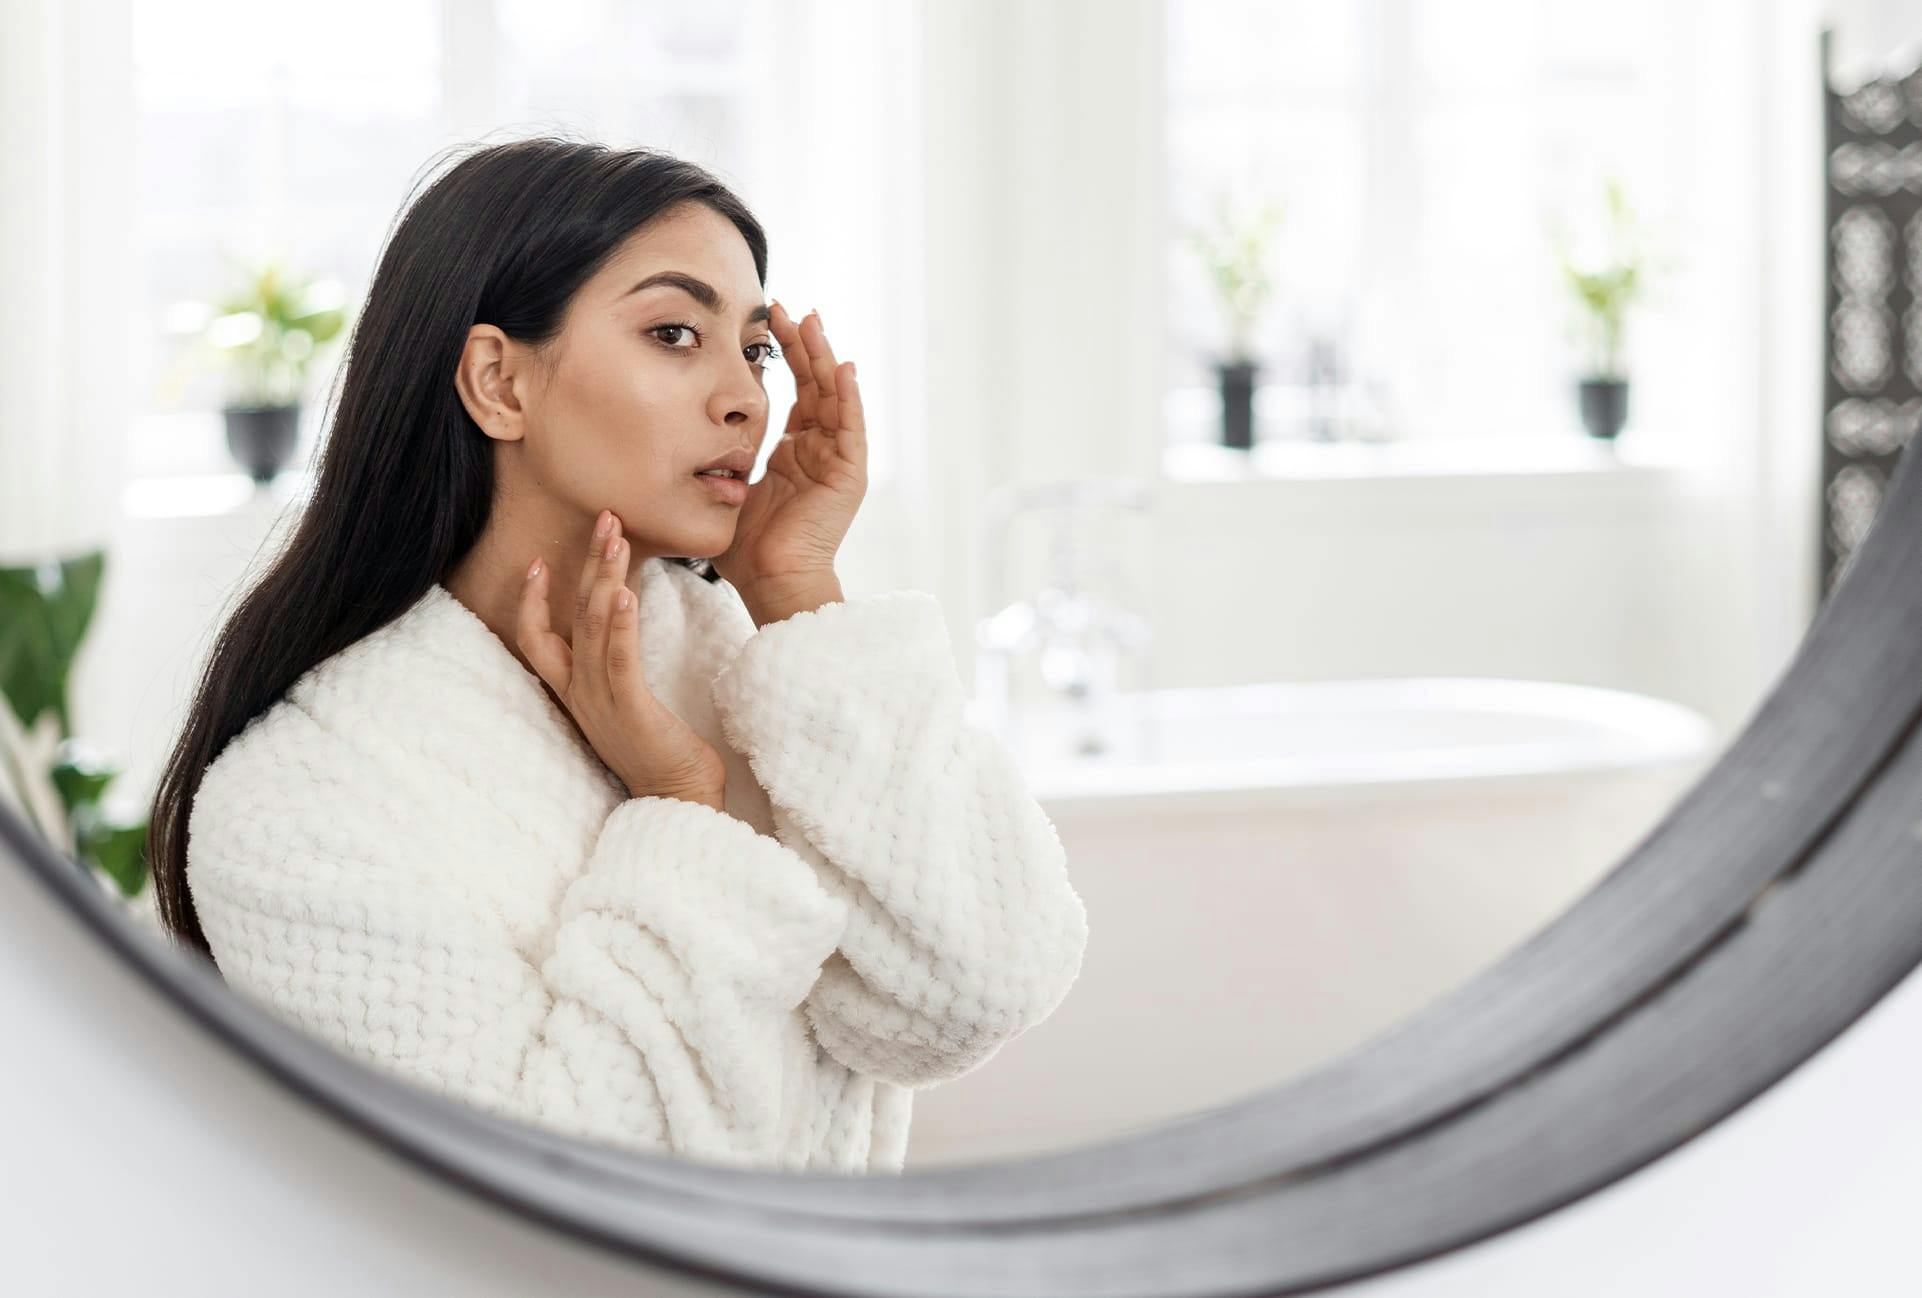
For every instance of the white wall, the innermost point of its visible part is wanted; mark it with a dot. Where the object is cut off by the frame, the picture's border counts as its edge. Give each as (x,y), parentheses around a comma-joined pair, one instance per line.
(1616,578)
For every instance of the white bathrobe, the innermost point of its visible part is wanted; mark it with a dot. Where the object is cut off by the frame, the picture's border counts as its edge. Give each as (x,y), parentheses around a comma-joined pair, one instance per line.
(413,856)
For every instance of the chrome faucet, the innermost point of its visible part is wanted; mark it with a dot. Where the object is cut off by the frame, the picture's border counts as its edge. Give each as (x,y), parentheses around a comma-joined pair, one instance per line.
(1080,642)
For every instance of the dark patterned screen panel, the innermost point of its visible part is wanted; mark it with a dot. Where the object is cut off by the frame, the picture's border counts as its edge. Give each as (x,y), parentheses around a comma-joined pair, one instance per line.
(1872,386)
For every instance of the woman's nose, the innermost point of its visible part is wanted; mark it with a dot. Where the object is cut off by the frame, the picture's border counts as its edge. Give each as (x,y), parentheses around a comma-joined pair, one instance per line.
(745,406)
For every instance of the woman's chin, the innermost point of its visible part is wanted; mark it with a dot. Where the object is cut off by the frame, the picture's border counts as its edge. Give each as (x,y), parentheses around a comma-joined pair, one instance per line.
(706,542)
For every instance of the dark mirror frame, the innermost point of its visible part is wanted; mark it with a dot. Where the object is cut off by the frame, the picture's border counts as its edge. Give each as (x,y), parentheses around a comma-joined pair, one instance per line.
(1777,901)
(1774,904)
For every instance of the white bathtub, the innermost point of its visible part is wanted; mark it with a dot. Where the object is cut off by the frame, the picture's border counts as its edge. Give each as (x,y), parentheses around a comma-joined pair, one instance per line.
(1276,873)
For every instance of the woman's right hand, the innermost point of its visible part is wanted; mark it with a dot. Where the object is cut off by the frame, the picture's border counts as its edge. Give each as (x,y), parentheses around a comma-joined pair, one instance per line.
(599,680)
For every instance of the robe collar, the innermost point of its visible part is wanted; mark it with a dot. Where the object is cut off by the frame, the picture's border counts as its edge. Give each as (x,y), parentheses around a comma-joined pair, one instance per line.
(690,628)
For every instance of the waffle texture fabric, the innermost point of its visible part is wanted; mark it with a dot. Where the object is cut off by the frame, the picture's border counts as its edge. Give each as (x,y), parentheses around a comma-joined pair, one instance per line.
(415,856)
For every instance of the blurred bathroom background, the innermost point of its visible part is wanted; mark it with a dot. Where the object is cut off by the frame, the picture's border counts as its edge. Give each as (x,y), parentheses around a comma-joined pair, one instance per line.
(1371,453)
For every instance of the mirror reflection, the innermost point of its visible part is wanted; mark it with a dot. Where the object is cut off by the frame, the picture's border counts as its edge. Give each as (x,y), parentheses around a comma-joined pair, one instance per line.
(769,585)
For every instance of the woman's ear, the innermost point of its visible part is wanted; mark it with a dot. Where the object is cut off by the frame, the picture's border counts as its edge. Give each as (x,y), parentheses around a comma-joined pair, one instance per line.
(488,378)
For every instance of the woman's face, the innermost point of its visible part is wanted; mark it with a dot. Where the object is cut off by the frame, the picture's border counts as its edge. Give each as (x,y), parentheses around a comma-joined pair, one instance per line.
(646,384)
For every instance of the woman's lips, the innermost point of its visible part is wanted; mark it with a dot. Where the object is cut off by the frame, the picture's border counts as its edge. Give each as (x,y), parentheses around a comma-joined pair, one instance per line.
(732,491)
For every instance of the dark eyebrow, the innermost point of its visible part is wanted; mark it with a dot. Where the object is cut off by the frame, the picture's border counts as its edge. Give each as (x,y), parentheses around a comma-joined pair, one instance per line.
(700,290)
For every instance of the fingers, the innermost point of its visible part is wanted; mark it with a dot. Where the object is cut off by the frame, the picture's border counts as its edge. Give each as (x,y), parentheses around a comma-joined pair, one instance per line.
(606,647)
(826,394)
(853,440)
(820,360)
(608,564)
(544,648)
(794,351)
(606,525)
(624,644)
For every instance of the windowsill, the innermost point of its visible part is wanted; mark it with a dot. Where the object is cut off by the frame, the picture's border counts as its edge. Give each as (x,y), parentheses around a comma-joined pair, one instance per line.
(1441,457)
(207,495)
(199,495)
(179,466)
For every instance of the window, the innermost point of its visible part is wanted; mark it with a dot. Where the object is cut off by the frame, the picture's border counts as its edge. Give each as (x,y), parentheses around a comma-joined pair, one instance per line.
(275,129)
(259,129)
(1422,152)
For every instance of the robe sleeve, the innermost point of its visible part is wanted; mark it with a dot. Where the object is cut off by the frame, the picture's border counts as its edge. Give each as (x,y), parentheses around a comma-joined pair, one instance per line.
(963,928)
(658,1015)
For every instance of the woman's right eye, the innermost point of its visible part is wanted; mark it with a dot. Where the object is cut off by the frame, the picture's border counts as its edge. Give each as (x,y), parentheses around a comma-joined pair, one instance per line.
(685,328)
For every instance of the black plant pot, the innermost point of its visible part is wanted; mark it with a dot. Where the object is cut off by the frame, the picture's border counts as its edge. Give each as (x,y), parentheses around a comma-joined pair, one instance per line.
(1604,406)
(1237,403)
(261,438)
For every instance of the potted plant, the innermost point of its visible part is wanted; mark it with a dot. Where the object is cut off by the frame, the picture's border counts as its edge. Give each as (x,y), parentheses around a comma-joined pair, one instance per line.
(266,335)
(1234,254)
(53,780)
(1602,291)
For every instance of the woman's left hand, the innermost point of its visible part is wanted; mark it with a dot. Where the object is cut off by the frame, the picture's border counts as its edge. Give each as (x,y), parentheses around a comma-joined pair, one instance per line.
(795,517)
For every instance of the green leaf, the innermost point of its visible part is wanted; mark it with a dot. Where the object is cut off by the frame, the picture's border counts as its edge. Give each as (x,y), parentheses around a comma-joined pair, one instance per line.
(297,314)
(82,774)
(120,852)
(44,614)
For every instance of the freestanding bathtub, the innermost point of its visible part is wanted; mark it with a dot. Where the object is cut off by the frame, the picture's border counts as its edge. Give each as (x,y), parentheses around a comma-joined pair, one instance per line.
(1276,873)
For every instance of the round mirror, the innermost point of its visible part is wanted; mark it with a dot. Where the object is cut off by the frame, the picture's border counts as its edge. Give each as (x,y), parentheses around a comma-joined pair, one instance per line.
(996,703)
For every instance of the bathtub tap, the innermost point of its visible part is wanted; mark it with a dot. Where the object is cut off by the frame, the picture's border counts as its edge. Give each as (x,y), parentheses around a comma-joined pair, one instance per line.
(1080,643)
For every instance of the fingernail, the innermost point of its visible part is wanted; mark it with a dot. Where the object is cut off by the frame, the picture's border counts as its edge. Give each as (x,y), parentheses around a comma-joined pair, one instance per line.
(533,570)
(602,524)
(613,544)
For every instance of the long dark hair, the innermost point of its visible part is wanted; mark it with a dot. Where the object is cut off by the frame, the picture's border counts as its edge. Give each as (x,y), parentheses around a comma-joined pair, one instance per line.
(506,236)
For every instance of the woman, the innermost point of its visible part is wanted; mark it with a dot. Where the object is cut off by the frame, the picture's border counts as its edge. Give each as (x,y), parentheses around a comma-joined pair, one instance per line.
(492,786)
